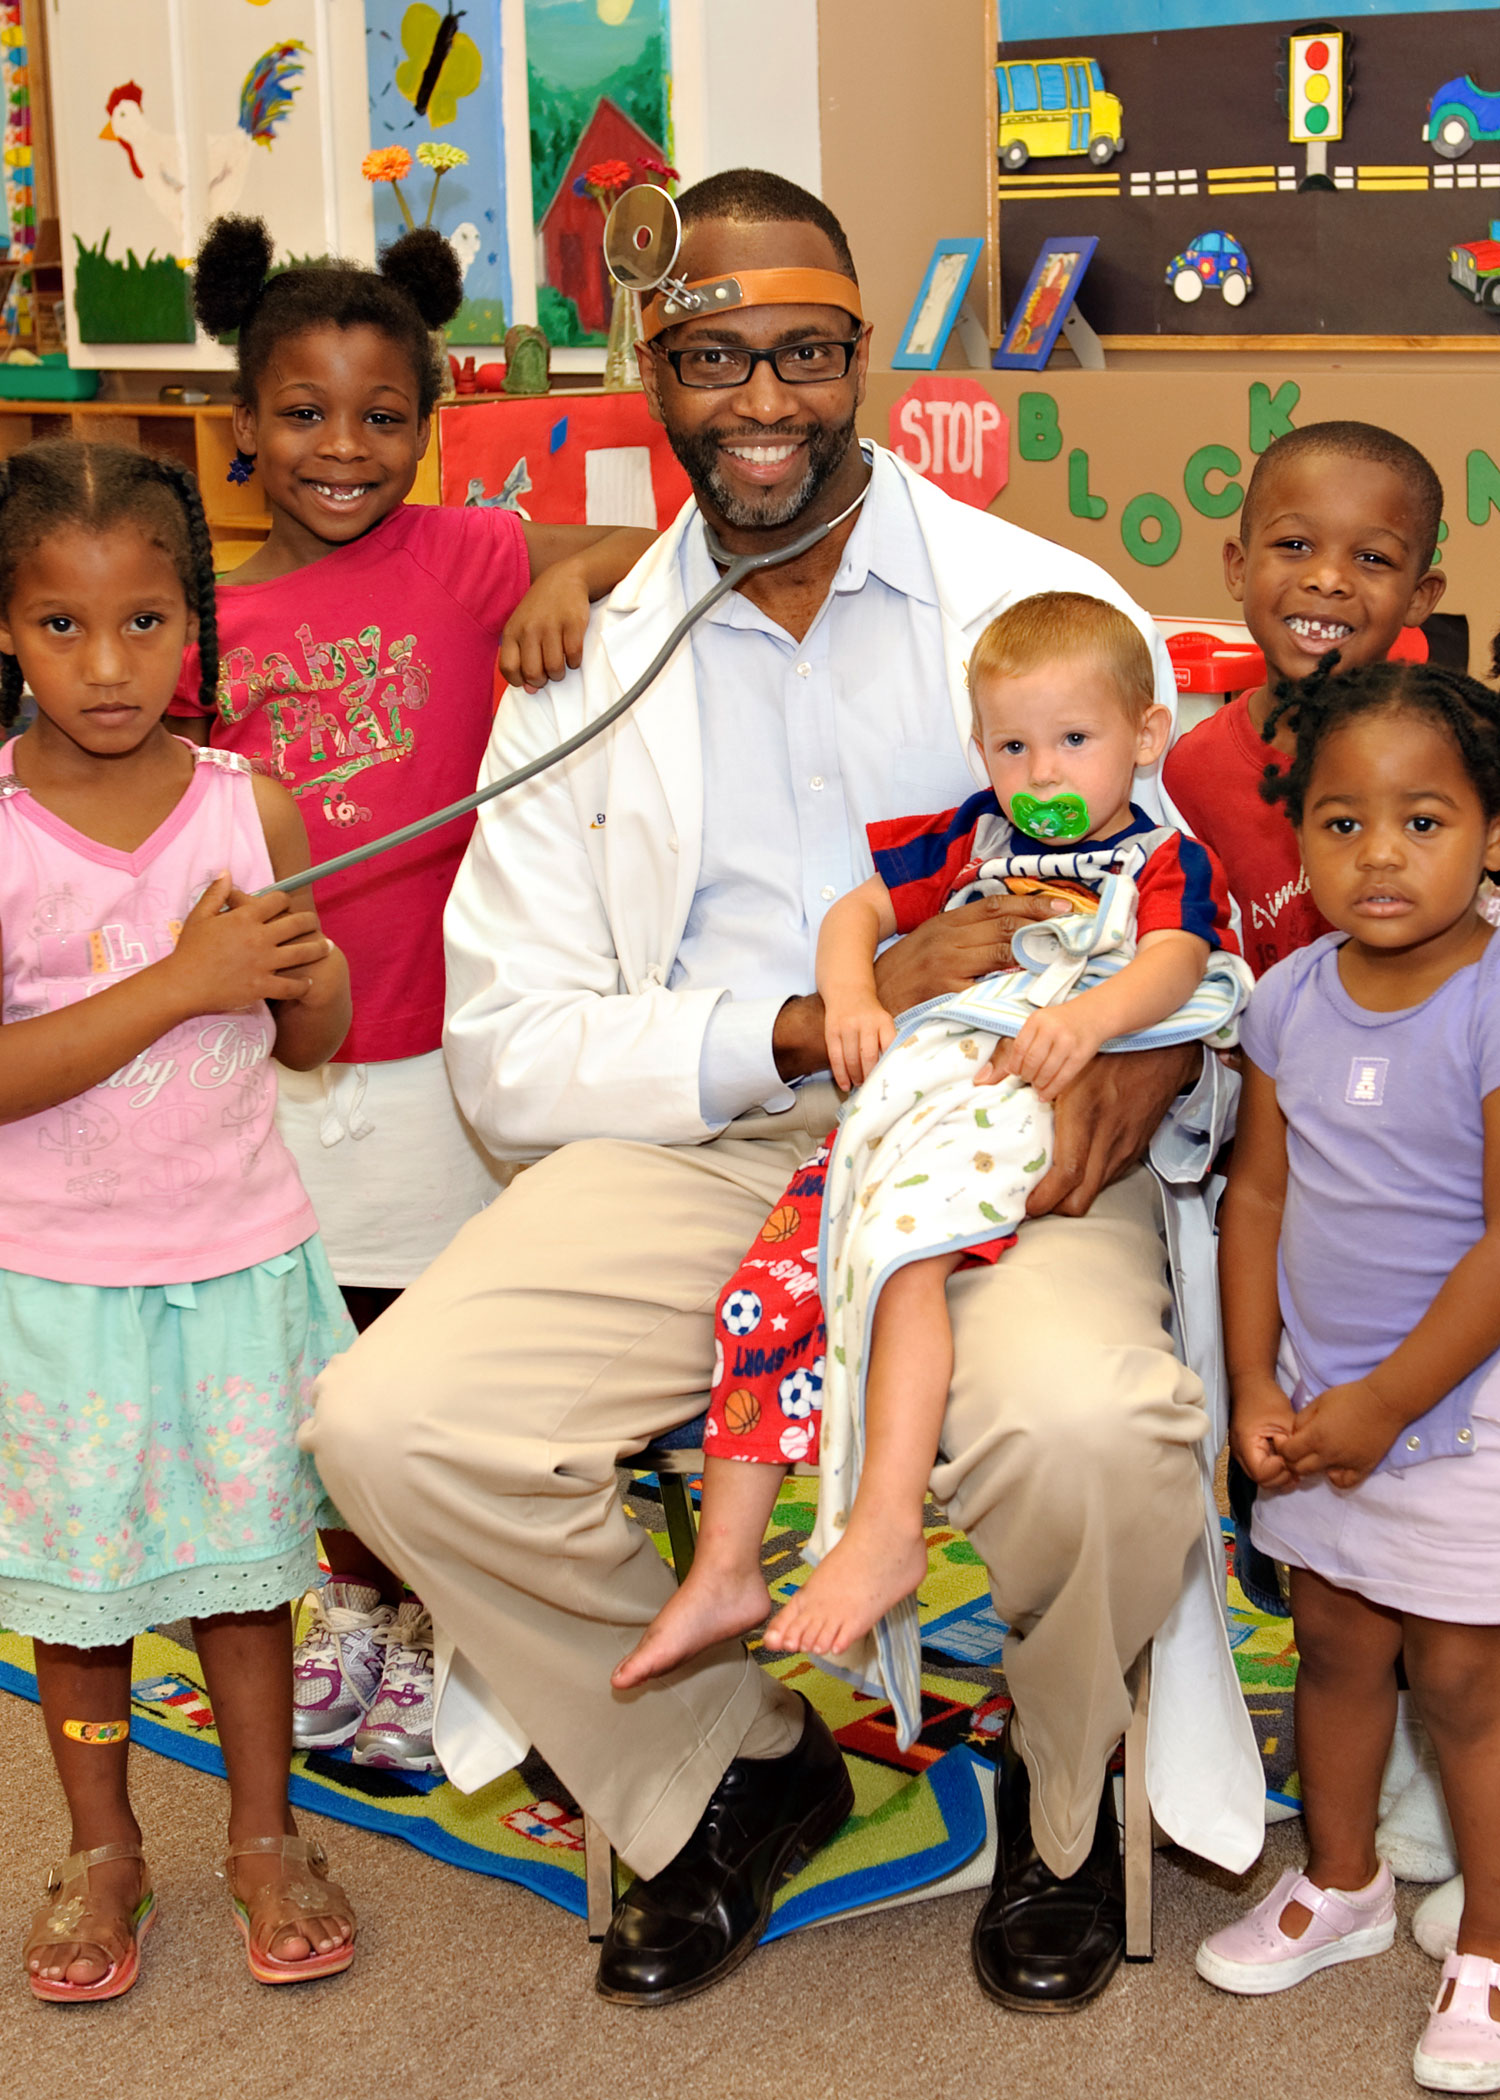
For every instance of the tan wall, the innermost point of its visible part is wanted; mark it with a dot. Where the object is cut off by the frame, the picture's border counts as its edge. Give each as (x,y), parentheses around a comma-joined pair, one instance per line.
(1140,429)
(904,86)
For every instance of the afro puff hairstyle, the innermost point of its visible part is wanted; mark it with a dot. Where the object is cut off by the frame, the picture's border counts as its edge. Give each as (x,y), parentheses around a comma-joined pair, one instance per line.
(417,287)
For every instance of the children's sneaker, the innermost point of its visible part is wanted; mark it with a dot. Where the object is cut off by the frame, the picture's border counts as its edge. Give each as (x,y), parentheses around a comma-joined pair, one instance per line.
(1460,2051)
(336,1669)
(1255,1957)
(397,1730)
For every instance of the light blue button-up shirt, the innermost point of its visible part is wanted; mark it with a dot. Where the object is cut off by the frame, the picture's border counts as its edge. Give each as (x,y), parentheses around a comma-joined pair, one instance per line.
(804,744)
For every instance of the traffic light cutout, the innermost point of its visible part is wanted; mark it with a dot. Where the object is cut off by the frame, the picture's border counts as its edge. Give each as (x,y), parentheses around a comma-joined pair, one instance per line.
(1316,96)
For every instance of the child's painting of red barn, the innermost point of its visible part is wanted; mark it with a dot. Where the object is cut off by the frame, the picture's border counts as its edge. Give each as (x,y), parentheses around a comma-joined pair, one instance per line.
(571,227)
(598,89)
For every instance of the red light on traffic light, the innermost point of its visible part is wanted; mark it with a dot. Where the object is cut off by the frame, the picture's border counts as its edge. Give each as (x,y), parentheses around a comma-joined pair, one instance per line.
(1316,57)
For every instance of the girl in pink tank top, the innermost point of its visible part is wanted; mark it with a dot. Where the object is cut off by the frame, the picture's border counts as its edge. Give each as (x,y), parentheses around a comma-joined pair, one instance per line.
(164,1300)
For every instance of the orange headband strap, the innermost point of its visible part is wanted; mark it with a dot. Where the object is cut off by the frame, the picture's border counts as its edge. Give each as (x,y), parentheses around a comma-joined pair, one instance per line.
(717,295)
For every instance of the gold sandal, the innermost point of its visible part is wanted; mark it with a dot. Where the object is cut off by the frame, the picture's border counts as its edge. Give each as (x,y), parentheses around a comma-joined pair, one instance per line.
(69,1913)
(278,1906)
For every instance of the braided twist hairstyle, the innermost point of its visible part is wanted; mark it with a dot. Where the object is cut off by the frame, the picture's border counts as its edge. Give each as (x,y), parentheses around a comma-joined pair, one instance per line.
(60,482)
(417,287)
(1314,707)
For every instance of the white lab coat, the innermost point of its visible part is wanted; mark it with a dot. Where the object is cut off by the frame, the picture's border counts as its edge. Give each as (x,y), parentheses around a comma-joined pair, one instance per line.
(561,932)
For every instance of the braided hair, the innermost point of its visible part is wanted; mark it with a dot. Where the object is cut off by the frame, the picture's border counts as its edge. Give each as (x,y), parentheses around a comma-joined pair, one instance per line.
(60,482)
(418,286)
(1313,707)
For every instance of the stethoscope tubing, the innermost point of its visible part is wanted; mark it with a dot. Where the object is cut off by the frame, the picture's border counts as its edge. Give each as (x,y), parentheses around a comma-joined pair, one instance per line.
(739,567)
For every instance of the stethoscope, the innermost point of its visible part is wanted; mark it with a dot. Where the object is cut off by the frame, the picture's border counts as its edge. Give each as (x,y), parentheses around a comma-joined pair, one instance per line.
(735,568)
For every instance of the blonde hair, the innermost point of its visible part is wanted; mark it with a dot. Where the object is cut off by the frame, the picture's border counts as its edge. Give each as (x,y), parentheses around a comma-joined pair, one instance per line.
(1056,624)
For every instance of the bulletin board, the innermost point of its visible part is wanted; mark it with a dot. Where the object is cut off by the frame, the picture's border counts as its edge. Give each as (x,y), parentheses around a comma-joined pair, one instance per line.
(1204,123)
(1144,471)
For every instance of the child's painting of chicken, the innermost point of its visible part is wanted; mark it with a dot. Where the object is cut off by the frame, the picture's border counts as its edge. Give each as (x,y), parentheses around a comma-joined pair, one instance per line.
(169,114)
(156,157)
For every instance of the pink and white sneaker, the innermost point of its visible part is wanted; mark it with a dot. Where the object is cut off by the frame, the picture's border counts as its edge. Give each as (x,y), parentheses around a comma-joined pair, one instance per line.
(1255,1957)
(1460,2051)
(337,1665)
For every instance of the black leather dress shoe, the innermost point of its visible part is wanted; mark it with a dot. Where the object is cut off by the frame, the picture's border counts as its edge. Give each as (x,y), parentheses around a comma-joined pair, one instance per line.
(700,1916)
(1042,1944)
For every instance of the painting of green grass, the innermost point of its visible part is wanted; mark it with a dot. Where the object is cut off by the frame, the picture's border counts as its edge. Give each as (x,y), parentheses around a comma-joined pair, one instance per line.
(133,301)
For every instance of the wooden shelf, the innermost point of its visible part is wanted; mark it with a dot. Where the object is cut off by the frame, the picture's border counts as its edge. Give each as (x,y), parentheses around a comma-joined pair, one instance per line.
(1457,344)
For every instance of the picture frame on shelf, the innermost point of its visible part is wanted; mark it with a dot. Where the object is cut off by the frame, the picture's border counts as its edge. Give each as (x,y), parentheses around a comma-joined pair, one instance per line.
(1046,302)
(950,271)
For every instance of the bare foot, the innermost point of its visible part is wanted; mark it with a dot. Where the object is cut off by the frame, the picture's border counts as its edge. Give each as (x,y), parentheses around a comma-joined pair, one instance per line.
(866,1573)
(712,1605)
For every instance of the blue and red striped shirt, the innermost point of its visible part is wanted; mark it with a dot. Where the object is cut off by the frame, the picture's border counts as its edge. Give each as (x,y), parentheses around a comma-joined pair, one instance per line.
(923,860)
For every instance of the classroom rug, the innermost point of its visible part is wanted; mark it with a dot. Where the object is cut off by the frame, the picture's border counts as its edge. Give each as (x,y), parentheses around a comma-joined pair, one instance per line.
(922,1818)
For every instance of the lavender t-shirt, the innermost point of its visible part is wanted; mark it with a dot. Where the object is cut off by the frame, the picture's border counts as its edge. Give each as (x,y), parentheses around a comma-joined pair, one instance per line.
(1385,1165)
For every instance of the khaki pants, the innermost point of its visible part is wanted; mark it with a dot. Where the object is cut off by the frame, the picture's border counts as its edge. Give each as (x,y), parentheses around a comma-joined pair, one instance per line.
(471,1437)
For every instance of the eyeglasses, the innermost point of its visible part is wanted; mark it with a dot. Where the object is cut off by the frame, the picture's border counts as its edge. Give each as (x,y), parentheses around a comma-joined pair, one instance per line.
(726,364)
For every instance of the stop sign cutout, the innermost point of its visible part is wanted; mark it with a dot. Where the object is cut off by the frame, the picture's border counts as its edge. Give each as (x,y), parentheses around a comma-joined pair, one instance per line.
(950,430)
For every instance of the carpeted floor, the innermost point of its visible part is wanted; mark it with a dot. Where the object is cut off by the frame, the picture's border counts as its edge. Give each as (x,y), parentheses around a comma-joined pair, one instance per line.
(920,1814)
(467,1985)
(468,1988)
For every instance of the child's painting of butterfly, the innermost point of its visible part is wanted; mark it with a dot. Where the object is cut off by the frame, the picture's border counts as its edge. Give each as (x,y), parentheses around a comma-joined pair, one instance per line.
(441,65)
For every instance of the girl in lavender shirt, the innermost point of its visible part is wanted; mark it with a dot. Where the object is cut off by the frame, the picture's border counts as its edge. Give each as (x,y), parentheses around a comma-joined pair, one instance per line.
(1360,1266)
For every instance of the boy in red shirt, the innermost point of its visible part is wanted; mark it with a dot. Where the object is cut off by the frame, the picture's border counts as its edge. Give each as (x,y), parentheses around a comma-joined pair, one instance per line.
(1335,548)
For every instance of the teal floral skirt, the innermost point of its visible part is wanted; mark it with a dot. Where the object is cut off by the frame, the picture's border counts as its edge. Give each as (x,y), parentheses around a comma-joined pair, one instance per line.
(149,1467)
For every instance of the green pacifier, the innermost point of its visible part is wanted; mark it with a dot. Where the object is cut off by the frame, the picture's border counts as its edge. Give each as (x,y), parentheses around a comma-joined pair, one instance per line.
(1059,820)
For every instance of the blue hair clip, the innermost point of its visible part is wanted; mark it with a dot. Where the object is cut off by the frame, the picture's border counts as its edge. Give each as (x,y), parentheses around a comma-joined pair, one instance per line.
(241,467)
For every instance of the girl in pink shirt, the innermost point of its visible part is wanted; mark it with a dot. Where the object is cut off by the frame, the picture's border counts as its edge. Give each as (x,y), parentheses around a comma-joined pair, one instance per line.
(357,661)
(164,1299)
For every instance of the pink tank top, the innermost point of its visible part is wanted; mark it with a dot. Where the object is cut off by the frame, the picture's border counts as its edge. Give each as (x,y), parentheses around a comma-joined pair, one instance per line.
(171,1170)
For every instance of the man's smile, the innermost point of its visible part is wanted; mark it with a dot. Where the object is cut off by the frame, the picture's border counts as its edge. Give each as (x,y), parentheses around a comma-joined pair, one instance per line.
(763,459)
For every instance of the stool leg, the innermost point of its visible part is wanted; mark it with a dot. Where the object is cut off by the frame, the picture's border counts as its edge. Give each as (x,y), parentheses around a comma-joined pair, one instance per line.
(598,1878)
(677,1508)
(1138,1848)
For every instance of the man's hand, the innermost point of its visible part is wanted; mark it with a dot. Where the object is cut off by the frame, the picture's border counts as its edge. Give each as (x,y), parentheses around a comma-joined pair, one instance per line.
(1344,1433)
(1105,1121)
(945,954)
(797,1039)
(950,952)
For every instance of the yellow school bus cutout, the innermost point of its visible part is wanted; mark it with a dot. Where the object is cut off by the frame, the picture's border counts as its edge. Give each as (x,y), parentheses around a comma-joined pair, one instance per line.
(1053,106)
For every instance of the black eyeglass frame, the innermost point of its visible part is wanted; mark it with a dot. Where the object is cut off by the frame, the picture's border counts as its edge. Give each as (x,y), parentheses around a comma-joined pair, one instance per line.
(760,357)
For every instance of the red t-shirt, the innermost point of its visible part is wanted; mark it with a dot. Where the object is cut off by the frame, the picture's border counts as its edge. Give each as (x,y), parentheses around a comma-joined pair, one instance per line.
(1213,775)
(364,683)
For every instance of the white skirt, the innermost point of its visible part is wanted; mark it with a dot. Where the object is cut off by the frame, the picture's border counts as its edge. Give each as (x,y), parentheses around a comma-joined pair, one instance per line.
(391,1166)
(1425,1539)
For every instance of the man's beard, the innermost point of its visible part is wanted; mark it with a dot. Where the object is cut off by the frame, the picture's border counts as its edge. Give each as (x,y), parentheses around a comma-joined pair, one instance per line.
(827,448)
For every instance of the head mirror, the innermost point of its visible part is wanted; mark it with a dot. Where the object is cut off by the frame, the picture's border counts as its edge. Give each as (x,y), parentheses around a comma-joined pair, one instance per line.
(641,237)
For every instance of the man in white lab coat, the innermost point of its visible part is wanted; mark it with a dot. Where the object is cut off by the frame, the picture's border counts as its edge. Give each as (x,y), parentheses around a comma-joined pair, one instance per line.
(632,1006)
